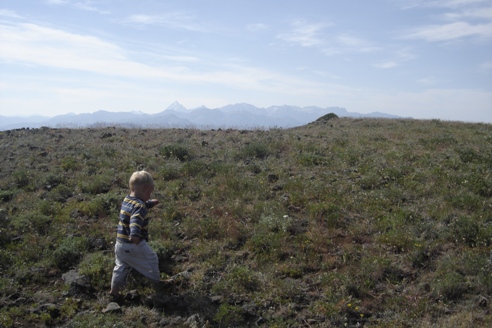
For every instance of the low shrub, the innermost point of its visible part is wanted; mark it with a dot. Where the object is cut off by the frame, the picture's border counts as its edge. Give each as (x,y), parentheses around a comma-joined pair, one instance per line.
(7,195)
(21,178)
(175,151)
(96,185)
(229,316)
(60,194)
(69,252)
(255,149)
(97,267)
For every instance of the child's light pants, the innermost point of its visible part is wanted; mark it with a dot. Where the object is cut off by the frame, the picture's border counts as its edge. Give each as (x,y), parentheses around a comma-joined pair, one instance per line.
(139,257)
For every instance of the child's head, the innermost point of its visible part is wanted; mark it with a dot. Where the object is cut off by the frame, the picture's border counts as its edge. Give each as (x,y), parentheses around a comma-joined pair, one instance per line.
(141,185)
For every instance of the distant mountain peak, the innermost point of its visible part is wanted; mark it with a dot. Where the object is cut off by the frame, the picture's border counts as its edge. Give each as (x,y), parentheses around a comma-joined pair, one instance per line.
(239,115)
(176,106)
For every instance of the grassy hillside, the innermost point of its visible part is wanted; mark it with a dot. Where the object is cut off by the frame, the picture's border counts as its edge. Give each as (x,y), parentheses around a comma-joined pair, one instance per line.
(343,222)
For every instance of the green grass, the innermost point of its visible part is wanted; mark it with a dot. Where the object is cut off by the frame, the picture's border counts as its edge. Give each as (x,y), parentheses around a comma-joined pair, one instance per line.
(342,222)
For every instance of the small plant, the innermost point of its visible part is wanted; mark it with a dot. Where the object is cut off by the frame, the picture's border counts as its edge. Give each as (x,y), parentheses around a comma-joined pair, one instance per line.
(194,168)
(229,316)
(6,195)
(96,185)
(254,150)
(175,151)
(69,252)
(465,229)
(69,164)
(306,159)
(61,193)
(97,267)
(21,178)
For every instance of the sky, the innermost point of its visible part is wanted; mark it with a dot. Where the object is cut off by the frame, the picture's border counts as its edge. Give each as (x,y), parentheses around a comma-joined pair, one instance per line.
(425,59)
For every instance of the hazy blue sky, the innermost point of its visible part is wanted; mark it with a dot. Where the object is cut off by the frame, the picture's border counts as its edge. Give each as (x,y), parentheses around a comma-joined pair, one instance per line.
(417,58)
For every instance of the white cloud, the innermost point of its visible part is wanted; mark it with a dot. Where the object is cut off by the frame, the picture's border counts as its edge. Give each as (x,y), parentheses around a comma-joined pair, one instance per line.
(451,31)
(355,44)
(88,7)
(386,64)
(429,80)
(9,13)
(57,2)
(41,46)
(399,57)
(486,65)
(452,4)
(474,13)
(463,19)
(257,27)
(173,20)
(304,34)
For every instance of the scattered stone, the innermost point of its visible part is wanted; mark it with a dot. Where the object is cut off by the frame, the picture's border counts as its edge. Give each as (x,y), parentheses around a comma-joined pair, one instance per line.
(194,321)
(112,307)
(79,285)
(70,276)
(482,301)
(216,298)
(99,244)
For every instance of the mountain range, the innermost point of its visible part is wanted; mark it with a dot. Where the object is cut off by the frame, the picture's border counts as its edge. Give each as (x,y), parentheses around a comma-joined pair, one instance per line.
(243,116)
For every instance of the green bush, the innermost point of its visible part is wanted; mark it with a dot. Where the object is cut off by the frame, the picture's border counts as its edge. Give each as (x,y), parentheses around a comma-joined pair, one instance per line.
(21,178)
(229,316)
(31,222)
(194,168)
(466,230)
(61,193)
(175,151)
(52,180)
(451,286)
(96,185)
(70,164)
(97,267)
(256,149)
(168,173)
(69,252)
(6,195)
(306,159)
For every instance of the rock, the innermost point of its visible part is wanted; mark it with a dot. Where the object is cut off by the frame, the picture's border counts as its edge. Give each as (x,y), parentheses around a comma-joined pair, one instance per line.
(112,307)
(216,298)
(194,321)
(99,244)
(70,276)
(78,284)
(482,301)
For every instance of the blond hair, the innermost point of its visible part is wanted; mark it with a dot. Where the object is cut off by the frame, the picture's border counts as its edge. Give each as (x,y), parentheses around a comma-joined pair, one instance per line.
(140,178)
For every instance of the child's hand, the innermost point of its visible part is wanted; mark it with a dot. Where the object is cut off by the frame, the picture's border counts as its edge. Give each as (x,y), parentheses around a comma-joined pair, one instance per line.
(135,240)
(155,201)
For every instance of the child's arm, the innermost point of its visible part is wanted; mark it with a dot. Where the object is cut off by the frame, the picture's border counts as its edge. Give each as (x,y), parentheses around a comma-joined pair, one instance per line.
(151,203)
